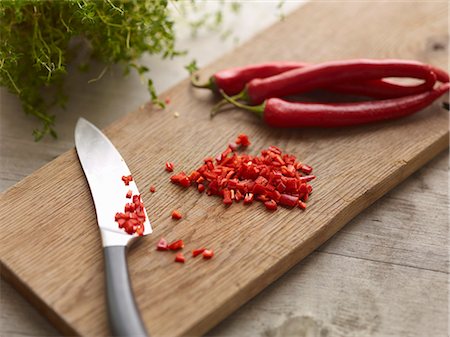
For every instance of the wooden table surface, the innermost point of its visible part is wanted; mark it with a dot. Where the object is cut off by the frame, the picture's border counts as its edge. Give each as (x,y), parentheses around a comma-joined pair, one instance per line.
(384,274)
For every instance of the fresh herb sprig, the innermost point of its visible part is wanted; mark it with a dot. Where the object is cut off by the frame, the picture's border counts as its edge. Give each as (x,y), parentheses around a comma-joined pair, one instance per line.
(35,39)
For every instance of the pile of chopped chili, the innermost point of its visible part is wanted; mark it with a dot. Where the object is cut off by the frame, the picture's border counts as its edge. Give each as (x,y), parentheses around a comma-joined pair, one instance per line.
(133,218)
(274,178)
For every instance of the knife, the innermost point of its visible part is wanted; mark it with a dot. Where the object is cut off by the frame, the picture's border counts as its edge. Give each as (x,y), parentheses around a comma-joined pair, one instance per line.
(104,168)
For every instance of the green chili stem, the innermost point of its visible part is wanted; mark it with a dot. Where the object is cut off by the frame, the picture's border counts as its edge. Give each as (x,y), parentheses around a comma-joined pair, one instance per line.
(257,109)
(216,108)
(196,84)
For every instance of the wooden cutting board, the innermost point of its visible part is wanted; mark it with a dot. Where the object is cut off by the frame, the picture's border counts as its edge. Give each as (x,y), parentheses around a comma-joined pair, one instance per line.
(51,250)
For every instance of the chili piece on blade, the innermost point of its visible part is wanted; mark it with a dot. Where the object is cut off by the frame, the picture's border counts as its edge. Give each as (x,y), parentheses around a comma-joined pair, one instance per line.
(127,179)
(133,218)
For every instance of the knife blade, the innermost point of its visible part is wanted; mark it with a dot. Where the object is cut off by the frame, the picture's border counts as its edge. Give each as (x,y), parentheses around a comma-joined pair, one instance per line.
(104,168)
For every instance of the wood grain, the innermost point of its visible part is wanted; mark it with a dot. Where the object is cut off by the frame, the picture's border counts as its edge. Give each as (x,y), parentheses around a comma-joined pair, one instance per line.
(63,273)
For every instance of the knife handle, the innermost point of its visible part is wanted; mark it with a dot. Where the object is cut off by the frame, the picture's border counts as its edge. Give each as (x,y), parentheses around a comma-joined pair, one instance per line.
(124,317)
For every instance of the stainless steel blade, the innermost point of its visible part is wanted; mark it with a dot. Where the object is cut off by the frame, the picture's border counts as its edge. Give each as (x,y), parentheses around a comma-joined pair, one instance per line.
(104,167)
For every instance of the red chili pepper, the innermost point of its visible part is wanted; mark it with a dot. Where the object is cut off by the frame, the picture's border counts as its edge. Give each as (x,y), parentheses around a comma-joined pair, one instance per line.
(162,245)
(152,189)
(179,257)
(208,254)
(199,251)
(328,74)
(169,166)
(279,113)
(176,215)
(177,245)
(129,194)
(232,81)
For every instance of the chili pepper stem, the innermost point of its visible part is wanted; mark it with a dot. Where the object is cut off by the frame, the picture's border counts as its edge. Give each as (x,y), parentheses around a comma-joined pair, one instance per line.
(257,109)
(216,108)
(195,83)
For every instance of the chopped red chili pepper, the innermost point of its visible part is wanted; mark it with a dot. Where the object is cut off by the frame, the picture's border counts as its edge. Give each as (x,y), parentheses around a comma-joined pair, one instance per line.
(127,179)
(248,199)
(199,251)
(301,204)
(162,245)
(270,205)
(288,200)
(208,254)
(152,189)
(179,244)
(181,179)
(306,169)
(242,140)
(227,197)
(140,230)
(233,146)
(272,178)
(167,100)
(176,215)
(179,257)
(169,166)
(132,221)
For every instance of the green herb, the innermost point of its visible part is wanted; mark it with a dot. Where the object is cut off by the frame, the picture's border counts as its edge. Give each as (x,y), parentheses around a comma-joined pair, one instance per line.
(191,67)
(36,35)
